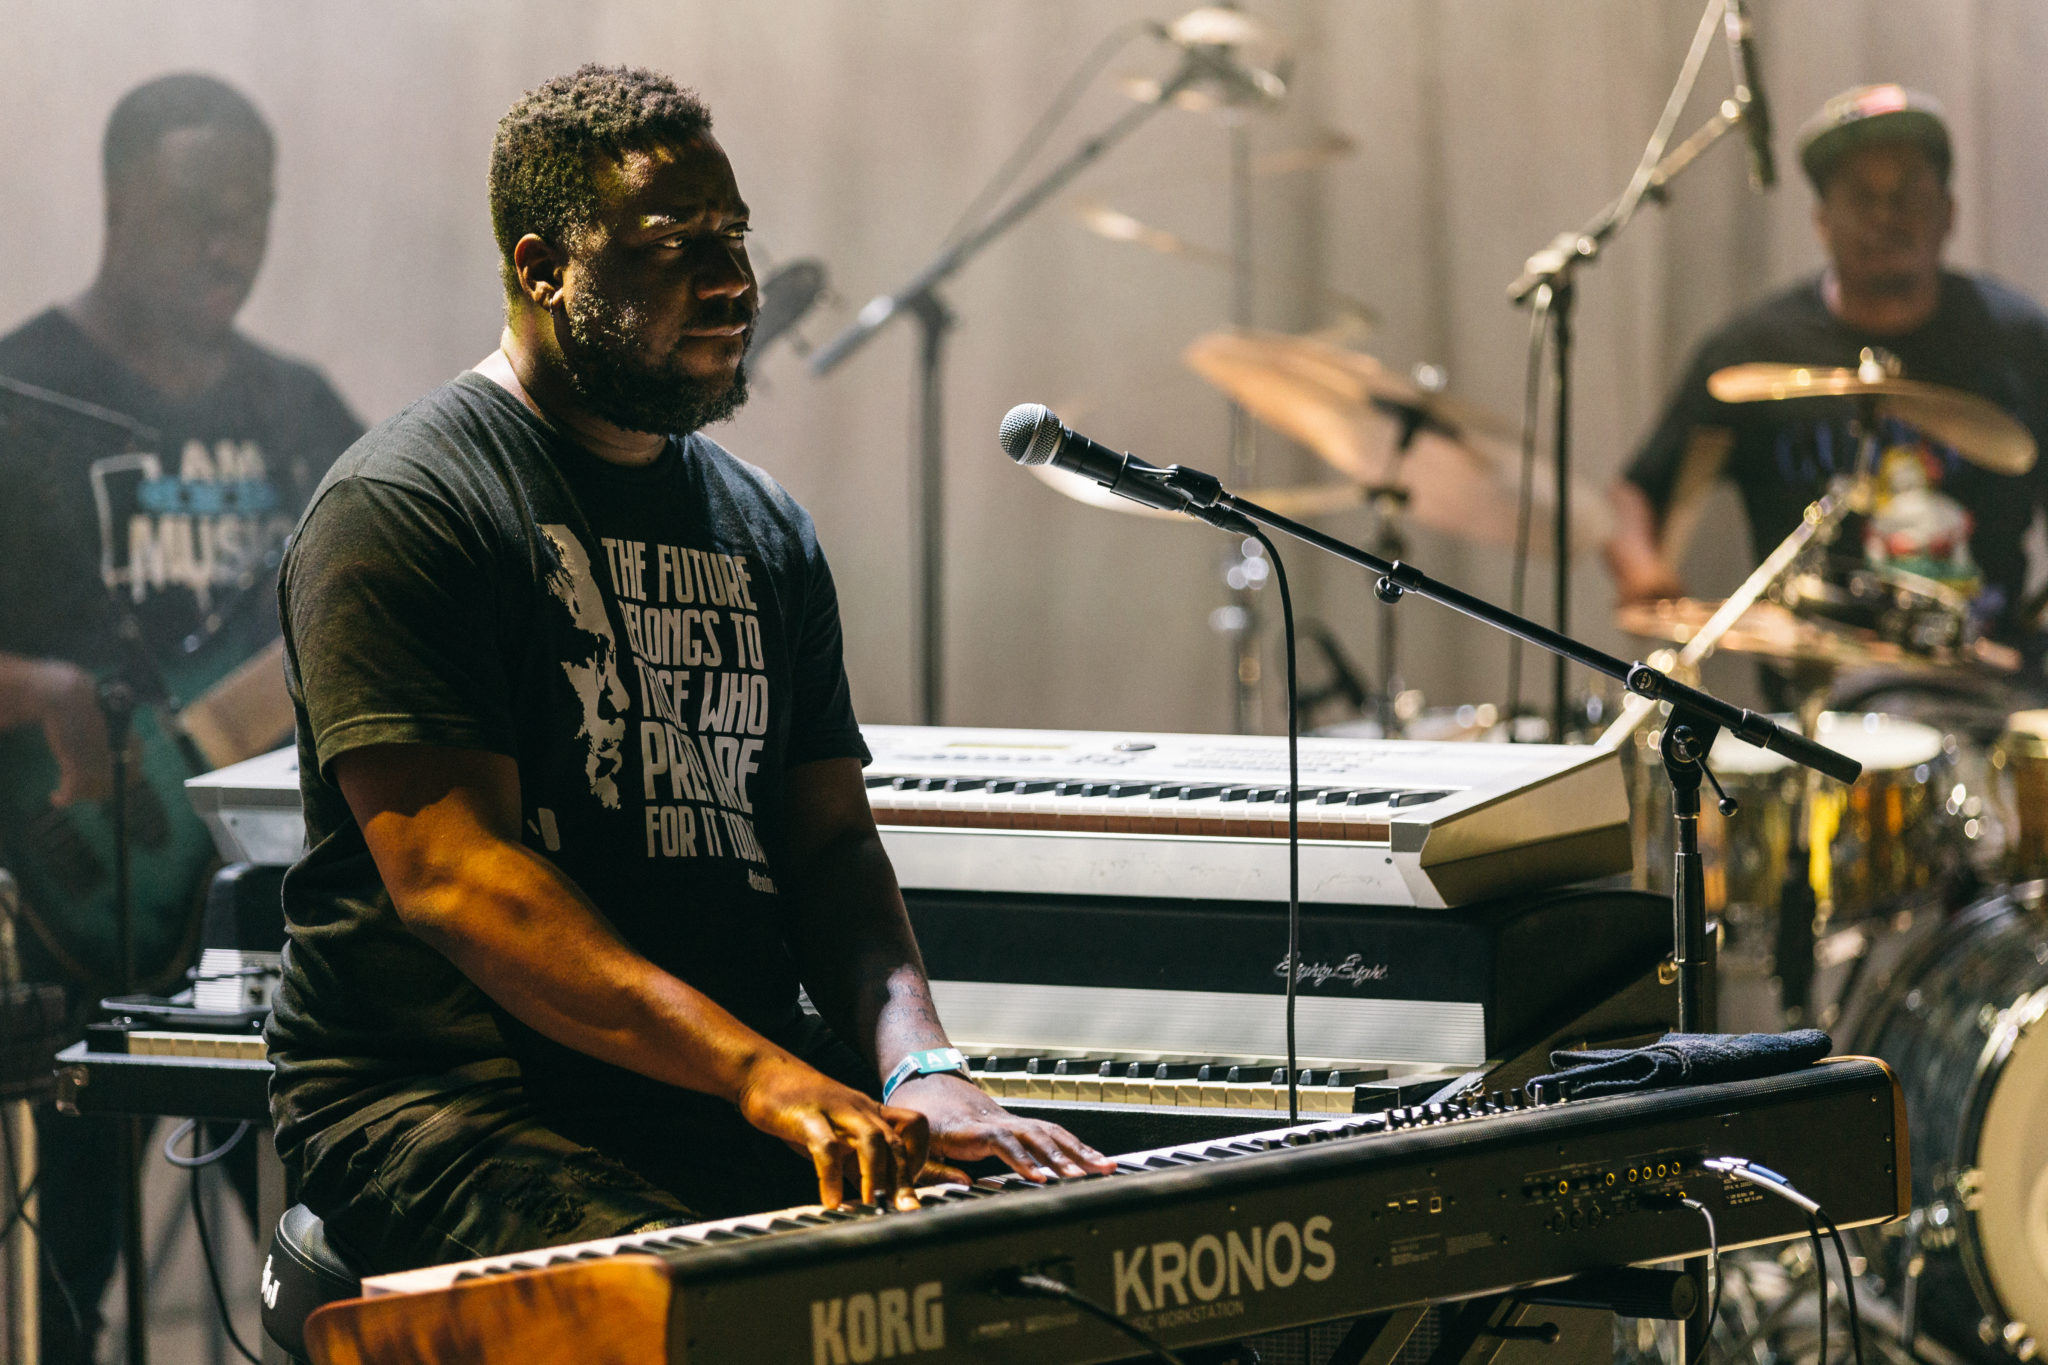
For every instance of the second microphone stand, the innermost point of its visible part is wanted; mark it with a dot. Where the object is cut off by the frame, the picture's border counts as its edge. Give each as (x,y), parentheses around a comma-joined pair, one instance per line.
(919,299)
(1549,280)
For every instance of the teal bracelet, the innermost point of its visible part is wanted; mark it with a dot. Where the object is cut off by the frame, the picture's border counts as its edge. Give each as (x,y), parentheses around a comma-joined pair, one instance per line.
(938,1061)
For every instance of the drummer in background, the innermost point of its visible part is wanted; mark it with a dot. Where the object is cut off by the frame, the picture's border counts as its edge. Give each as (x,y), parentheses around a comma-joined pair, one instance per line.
(1879,159)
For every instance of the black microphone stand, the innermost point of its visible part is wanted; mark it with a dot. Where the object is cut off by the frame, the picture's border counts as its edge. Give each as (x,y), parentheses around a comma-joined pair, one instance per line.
(919,298)
(1549,281)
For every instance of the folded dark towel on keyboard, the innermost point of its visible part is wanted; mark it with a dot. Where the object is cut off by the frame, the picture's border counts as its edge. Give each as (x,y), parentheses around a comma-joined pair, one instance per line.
(1682,1059)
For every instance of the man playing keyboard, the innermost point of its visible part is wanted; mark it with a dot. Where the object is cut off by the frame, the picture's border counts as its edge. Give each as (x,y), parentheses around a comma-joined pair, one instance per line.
(581,773)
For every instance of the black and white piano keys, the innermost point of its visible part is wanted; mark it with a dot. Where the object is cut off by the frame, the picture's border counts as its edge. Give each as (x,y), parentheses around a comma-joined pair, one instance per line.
(1259,1087)
(1202,809)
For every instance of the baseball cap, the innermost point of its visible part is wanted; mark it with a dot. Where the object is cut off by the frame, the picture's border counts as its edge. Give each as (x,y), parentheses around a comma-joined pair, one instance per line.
(1872,113)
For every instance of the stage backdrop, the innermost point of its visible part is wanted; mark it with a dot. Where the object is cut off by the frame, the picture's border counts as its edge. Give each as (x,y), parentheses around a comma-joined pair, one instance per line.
(860,130)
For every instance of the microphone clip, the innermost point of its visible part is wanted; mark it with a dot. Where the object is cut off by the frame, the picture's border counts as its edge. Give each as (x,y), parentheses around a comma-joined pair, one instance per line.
(1204,494)
(1200,489)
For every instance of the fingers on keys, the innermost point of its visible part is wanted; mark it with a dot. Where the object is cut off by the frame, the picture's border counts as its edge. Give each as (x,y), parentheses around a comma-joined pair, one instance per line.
(880,1154)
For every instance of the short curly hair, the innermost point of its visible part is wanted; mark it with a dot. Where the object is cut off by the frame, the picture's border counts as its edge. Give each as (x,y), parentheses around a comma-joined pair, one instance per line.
(544,159)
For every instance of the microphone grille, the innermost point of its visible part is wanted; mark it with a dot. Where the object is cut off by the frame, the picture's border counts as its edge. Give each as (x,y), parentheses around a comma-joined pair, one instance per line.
(1030,434)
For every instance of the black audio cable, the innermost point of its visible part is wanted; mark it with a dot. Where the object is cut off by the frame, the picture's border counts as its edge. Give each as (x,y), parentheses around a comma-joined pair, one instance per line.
(198,1159)
(1764,1178)
(1699,1350)
(1848,1281)
(1820,1271)
(1030,1284)
(1293,823)
(197,1163)
(1660,1200)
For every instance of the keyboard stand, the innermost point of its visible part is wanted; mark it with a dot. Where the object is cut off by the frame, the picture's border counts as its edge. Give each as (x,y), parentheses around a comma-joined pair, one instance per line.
(117,1083)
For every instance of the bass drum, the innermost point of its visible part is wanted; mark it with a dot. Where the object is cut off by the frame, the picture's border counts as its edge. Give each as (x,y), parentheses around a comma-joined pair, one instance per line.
(1960,1022)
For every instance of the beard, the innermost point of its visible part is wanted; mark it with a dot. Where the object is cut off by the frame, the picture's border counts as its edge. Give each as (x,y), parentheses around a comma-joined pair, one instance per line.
(639,395)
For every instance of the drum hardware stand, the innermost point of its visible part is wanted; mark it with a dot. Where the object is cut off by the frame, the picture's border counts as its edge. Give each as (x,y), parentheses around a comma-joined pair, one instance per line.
(919,299)
(1389,500)
(1803,912)
(1389,503)
(1247,666)
(1548,280)
(1344,684)
(1909,1291)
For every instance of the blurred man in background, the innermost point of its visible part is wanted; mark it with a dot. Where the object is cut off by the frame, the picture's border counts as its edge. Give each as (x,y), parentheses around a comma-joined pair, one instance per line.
(140,545)
(1879,158)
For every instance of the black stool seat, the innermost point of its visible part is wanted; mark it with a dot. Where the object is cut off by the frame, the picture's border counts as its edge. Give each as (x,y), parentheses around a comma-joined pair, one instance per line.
(302,1272)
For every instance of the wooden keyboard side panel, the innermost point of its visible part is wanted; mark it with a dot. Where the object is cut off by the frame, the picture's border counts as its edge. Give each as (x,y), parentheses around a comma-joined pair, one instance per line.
(609,1312)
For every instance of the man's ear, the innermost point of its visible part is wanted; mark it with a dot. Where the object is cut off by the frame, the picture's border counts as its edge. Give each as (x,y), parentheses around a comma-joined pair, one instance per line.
(538,268)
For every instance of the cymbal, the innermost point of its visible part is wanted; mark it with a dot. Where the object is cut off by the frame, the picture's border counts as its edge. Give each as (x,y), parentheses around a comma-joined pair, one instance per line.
(1460,472)
(1219,26)
(1257,55)
(1303,501)
(1324,146)
(1772,631)
(1973,427)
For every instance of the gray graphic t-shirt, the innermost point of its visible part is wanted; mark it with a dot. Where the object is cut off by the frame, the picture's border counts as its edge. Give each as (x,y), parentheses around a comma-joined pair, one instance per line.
(655,647)
(182,528)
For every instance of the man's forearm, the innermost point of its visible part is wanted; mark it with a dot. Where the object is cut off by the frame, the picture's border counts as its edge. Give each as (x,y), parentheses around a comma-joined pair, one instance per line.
(511,922)
(858,955)
(1634,553)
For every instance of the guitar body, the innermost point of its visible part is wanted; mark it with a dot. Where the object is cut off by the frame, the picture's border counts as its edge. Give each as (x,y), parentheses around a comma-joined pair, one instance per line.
(64,859)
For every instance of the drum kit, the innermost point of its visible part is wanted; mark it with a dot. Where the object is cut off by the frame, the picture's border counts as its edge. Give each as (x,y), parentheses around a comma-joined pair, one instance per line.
(1847,907)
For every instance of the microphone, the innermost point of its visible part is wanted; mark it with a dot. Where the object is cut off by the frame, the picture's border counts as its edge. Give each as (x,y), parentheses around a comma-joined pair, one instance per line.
(1032,435)
(786,295)
(1749,96)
